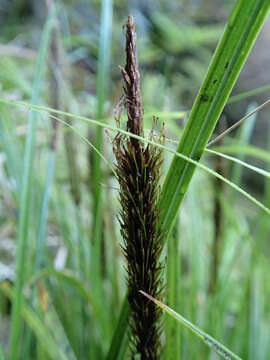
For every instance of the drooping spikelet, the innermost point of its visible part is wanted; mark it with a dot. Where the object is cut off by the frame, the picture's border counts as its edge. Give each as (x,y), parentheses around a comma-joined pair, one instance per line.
(138,171)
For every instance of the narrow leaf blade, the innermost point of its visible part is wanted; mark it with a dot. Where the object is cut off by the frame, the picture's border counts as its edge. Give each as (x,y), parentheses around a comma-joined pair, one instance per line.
(211,342)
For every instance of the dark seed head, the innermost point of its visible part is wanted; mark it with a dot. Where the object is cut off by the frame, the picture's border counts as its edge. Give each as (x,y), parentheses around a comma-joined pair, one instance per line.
(138,172)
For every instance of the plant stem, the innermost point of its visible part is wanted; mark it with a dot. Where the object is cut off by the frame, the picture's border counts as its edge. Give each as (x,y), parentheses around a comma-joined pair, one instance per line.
(173,350)
(102,86)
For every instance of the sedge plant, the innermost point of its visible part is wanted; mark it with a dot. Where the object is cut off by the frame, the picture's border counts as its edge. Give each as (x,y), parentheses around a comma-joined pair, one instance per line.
(60,334)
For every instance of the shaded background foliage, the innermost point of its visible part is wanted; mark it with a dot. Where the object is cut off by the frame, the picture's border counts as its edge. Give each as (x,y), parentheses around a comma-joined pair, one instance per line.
(176,40)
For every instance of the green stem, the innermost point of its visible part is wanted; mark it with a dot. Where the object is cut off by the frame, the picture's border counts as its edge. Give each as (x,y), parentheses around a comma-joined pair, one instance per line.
(173,350)
(103,69)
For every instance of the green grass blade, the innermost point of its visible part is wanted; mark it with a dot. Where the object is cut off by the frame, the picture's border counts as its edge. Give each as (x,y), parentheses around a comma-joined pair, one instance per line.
(248,150)
(239,163)
(244,135)
(196,163)
(102,87)
(118,341)
(44,337)
(249,93)
(11,150)
(41,236)
(209,340)
(240,33)
(253,151)
(44,212)
(16,321)
(74,173)
(172,349)
(255,313)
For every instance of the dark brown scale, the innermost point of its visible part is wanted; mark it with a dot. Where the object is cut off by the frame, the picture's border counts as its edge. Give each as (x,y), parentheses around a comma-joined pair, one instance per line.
(138,172)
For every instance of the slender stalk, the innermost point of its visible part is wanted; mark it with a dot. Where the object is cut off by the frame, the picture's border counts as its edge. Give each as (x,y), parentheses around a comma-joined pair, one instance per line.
(249,93)
(218,219)
(244,134)
(74,172)
(173,350)
(216,245)
(114,350)
(102,86)
(215,345)
(56,101)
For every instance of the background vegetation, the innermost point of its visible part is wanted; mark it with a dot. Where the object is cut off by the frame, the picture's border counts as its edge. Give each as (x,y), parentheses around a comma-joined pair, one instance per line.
(59,198)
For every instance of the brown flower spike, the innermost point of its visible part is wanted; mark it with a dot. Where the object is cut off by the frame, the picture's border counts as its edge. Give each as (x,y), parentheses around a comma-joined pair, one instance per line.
(138,172)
